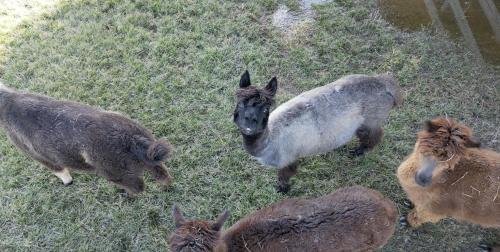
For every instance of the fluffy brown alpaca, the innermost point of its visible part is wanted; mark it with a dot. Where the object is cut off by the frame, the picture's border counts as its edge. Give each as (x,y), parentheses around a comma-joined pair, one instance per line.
(65,136)
(448,175)
(349,219)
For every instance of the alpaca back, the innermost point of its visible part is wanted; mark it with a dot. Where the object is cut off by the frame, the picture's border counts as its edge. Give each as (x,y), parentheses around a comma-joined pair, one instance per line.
(350,219)
(475,183)
(322,119)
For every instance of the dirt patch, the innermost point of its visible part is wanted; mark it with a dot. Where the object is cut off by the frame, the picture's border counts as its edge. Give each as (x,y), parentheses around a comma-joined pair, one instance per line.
(287,20)
(13,12)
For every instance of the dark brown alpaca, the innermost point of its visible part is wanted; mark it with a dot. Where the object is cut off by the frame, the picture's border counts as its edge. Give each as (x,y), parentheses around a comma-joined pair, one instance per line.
(350,219)
(64,136)
(448,175)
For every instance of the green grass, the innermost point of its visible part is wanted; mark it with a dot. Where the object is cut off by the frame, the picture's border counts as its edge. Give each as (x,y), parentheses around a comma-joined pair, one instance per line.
(174,66)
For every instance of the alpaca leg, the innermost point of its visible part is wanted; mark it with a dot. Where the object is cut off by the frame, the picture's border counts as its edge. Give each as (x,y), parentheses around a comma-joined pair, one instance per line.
(368,138)
(284,175)
(160,174)
(418,217)
(408,204)
(65,176)
(60,172)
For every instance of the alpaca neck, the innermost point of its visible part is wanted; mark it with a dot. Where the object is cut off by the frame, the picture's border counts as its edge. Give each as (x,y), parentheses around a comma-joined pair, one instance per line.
(255,143)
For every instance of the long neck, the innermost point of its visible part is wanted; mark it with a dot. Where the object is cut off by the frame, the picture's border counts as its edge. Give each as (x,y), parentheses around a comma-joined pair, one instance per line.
(255,143)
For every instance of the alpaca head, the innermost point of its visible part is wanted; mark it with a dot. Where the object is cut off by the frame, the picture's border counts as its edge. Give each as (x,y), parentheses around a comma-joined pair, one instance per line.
(254,104)
(443,141)
(195,236)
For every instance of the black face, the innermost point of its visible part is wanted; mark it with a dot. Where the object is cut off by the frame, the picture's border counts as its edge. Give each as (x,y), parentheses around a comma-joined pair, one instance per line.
(251,116)
(254,105)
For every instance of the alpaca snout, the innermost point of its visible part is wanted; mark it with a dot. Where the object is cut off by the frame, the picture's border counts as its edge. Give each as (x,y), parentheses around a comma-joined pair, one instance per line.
(248,131)
(424,175)
(423,179)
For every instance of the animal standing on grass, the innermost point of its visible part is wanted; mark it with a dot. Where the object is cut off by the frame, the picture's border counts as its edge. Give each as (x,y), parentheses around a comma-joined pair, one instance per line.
(314,122)
(349,219)
(65,135)
(448,175)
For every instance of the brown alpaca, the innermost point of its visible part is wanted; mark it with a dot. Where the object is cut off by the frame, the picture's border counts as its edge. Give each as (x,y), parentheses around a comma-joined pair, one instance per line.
(448,175)
(65,135)
(349,219)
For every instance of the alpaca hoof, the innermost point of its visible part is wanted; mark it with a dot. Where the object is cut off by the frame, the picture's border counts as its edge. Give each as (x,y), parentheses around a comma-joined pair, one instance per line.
(284,189)
(408,204)
(485,248)
(357,152)
(126,194)
(69,183)
(122,192)
(403,222)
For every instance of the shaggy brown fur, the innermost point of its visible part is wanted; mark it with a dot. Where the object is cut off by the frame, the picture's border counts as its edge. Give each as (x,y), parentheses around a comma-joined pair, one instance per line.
(64,136)
(464,180)
(350,219)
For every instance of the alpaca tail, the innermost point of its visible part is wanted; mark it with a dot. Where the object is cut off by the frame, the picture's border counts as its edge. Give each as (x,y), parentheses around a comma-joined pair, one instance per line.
(152,152)
(393,88)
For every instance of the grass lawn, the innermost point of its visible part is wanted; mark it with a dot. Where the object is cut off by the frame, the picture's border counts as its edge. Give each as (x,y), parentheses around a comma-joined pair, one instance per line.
(174,66)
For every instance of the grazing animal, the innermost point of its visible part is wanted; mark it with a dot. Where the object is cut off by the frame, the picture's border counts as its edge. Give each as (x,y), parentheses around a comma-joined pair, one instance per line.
(65,135)
(448,175)
(314,122)
(349,219)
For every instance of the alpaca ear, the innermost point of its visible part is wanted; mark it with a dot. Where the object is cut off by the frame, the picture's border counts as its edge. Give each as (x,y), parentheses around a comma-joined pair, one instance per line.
(472,142)
(178,218)
(272,86)
(430,127)
(220,221)
(245,80)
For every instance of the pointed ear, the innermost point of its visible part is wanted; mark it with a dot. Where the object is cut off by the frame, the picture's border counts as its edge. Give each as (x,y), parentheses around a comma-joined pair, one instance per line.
(220,221)
(272,86)
(245,80)
(472,142)
(430,127)
(178,218)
